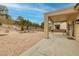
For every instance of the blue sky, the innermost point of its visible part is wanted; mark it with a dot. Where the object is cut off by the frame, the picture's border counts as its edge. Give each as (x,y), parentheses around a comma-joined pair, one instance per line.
(34,11)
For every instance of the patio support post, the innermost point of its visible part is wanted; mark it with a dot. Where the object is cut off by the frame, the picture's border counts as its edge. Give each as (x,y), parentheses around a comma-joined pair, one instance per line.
(46,29)
(67,31)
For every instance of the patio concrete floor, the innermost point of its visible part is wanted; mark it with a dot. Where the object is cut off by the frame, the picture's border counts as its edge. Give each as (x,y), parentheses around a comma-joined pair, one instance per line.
(57,45)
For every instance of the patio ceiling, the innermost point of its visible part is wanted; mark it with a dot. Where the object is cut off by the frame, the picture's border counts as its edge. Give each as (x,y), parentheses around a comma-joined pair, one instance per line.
(63,15)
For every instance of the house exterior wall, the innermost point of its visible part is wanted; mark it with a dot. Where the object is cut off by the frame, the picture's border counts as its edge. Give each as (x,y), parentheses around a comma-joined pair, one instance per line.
(77,32)
(62,25)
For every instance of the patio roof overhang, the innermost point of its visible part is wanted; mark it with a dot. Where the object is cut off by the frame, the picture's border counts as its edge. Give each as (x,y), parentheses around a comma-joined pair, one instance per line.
(62,15)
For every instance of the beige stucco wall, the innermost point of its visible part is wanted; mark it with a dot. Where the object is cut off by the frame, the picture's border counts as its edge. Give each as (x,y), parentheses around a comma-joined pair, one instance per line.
(46,27)
(77,32)
(77,29)
(62,25)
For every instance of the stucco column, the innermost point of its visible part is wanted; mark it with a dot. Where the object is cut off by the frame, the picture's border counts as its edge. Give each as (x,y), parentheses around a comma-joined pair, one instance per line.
(67,31)
(46,29)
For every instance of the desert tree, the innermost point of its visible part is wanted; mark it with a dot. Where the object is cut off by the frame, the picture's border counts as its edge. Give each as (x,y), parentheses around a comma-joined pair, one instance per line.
(42,25)
(22,22)
(76,7)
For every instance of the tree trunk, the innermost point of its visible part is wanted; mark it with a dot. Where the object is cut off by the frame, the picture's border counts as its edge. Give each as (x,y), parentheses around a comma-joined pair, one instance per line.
(22,28)
(27,27)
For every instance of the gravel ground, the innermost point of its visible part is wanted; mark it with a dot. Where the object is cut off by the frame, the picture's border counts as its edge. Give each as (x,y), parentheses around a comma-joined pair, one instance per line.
(16,43)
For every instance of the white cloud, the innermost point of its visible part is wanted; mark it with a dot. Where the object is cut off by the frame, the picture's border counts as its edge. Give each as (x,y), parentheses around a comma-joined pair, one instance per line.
(46,7)
(28,7)
(20,7)
(11,5)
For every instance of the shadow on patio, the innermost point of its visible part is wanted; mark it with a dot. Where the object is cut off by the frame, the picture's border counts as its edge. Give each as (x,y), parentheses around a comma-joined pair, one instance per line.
(57,45)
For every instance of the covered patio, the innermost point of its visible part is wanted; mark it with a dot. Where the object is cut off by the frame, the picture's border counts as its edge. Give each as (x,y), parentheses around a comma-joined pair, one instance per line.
(68,15)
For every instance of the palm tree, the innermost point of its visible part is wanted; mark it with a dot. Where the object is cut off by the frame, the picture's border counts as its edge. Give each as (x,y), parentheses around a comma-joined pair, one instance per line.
(76,7)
